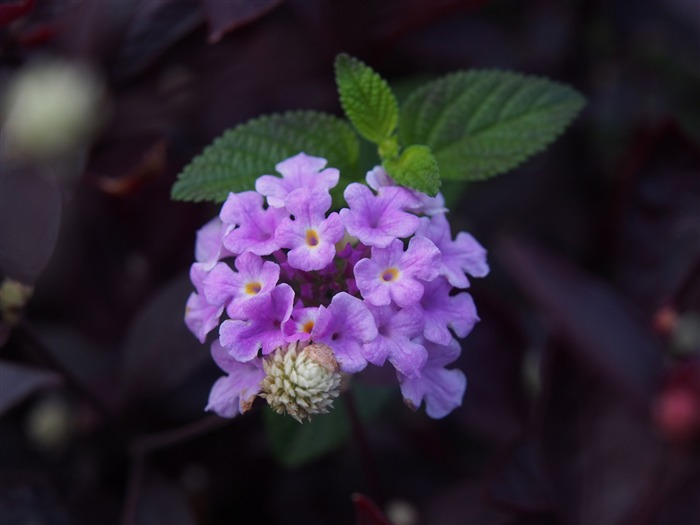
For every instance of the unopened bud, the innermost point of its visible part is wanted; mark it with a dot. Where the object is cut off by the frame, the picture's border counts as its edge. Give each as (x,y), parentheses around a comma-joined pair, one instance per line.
(301,381)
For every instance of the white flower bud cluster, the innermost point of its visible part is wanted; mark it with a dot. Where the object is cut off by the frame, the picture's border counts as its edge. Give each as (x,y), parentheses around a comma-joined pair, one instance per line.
(301,381)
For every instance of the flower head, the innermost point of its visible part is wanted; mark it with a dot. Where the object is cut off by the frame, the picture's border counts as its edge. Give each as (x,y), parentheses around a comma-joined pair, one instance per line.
(306,293)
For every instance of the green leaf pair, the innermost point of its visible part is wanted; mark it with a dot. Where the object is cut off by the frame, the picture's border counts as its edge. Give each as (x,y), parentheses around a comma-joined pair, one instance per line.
(373,110)
(469,125)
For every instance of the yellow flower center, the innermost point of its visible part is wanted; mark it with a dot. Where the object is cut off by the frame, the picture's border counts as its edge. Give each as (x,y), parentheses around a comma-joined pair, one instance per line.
(390,274)
(311,238)
(253,288)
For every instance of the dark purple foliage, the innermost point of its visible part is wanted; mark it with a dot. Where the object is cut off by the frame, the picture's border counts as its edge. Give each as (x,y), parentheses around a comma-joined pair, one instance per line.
(30,219)
(583,402)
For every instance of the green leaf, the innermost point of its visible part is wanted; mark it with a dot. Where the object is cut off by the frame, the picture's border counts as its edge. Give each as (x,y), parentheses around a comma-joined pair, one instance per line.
(366,99)
(482,123)
(295,444)
(415,168)
(239,156)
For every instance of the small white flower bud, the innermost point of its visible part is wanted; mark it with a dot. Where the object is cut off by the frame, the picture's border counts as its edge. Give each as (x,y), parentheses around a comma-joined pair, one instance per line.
(301,381)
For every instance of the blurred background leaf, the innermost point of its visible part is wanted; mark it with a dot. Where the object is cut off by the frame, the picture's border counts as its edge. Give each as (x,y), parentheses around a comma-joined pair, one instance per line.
(19,382)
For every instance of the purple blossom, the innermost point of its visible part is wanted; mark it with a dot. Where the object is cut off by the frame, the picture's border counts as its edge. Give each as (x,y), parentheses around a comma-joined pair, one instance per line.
(200,316)
(233,210)
(379,219)
(300,171)
(464,254)
(208,248)
(235,392)
(256,225)
(261,329)
(378,178)
(392,274)
(442,389)
(395,340)
(311,236)
(254,277)
(443,311)
(345,326)
(387,273)
(300,326)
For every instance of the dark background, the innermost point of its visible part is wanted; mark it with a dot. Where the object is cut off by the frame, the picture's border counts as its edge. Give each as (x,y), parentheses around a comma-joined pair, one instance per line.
(583,404)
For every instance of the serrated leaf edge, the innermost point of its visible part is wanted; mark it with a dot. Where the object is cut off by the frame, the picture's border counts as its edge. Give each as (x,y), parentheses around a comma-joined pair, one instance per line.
(578,106)
(180,192)
(344,97)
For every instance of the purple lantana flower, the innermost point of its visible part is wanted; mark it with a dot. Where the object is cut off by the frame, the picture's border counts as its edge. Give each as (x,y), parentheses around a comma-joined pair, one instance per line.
(394,275)
(256,225)
(234,289)
(442,389)
(397,330)
(378,178)
(442,311)
(208,248)
(377,220)
(345,326)
(300,171)
(261,331)
(200,316)
(300,326)
(464,254)
(306,293)
(235,392)
(310,235)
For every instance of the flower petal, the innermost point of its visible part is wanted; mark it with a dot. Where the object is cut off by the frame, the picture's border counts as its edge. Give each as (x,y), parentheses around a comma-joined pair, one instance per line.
(344,326)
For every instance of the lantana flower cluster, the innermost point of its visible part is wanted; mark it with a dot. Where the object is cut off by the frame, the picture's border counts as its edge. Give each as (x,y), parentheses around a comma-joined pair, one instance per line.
(302,295)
